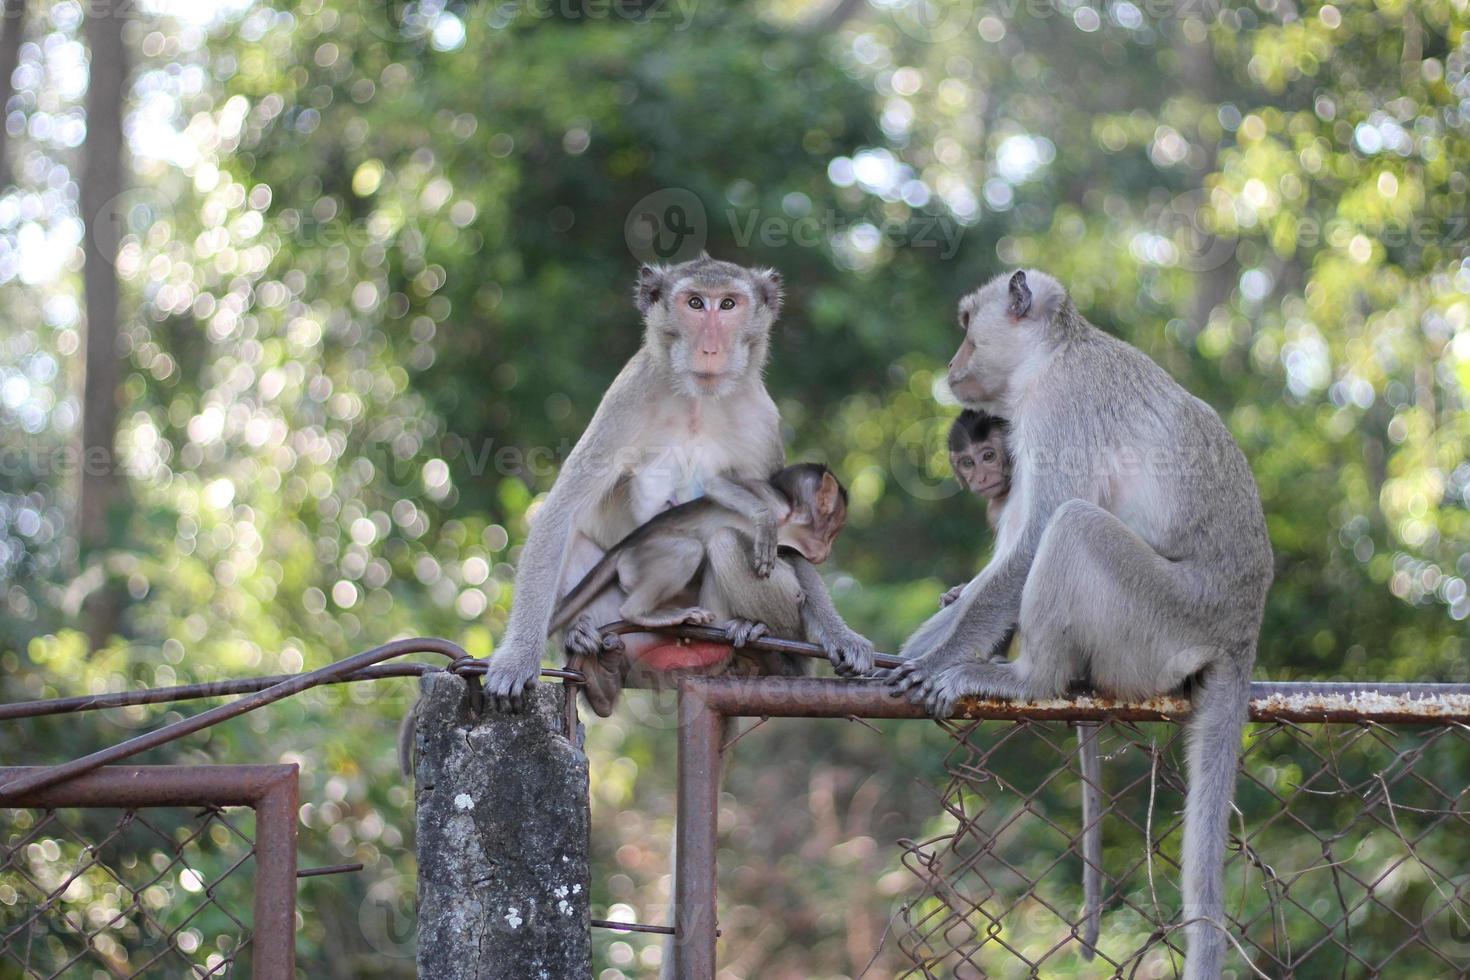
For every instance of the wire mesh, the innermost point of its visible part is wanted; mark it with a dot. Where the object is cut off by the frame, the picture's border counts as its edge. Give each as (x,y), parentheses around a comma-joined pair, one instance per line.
(126,893)
(1347,858)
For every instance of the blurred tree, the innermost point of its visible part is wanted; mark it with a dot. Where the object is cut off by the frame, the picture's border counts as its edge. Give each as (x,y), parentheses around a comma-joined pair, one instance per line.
(374,269)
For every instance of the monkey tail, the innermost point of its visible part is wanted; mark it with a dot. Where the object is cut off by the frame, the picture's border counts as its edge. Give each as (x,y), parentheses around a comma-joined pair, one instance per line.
(1087,757)
(598,577)
(1221,705)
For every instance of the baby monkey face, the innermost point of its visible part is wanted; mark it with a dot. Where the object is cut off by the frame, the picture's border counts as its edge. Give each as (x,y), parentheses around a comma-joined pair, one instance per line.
(982,468)
(978,455)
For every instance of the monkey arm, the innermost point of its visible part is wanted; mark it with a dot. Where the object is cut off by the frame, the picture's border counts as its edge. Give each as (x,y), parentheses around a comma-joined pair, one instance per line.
(851,653)
(586,478)
(744,501)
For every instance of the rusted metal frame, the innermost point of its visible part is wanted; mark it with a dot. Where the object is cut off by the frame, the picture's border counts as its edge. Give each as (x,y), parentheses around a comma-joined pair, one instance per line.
(227,688)
(706,702)
(701,738)
(273,931)
(716,634)
(271,791)
(41,778)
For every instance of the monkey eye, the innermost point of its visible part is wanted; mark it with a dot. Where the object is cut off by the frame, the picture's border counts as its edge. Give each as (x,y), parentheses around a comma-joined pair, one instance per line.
(695,303)
(988,455)
(967,463)
(727,303)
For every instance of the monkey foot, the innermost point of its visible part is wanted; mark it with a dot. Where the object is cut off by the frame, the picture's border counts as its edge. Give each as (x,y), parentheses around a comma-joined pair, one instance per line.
(743,631)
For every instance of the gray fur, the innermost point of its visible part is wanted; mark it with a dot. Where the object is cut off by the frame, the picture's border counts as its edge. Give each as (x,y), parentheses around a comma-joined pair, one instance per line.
(1133,555)
(660,429)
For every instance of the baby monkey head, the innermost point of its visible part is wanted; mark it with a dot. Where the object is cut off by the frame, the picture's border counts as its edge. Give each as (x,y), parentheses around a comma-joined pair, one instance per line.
(708,322)
(977,451)
(818,509)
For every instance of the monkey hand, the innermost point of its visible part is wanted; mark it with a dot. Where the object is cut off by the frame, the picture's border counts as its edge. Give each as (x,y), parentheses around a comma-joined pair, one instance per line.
(763,548)
(949,598)
(743,631)
(851,653)
(509,672)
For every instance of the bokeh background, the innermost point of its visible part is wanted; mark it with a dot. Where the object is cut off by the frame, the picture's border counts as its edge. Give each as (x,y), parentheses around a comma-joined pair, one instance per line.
(300,304)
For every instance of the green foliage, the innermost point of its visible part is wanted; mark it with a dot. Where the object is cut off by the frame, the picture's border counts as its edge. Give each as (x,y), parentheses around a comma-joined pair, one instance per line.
(376,277)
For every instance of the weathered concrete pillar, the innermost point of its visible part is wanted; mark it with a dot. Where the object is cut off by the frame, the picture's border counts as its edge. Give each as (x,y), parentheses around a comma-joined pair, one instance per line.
(502,839)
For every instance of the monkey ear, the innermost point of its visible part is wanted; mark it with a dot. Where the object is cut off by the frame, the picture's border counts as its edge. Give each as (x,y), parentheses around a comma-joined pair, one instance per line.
(828,494)
(1020,291)
(652,283)
(768,288)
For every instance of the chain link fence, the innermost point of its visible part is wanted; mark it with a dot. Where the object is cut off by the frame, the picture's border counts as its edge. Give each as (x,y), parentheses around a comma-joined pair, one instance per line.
(150,871)
(1348,854)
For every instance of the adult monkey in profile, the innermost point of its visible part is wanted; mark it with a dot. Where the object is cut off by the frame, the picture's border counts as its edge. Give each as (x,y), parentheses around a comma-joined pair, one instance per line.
(1133,554)
(687,416)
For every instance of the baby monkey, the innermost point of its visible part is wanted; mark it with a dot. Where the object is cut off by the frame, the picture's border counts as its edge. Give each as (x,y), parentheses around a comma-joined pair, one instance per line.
(691,564)
(982,464)
(981,461)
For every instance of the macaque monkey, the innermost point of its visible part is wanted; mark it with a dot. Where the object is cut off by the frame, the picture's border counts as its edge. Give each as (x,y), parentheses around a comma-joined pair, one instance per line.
(982,464)
(687,416)
(703,548)
(1133,554)
(978,456)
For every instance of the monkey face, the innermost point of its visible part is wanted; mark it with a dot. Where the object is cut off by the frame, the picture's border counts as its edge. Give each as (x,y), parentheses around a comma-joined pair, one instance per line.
(709,320)
(817,516)
(982,468)
(1004,324)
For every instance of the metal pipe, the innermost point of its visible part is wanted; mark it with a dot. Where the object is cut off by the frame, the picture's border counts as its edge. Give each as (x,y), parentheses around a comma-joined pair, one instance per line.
(128,787)
(273,928)
(242,685)
(716,634)
(701,735)
(812,697)
(187,726)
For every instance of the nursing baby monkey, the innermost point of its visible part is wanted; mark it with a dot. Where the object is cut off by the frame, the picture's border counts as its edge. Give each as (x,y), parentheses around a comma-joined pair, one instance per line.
(702,550)
(982,463)
(1132,554)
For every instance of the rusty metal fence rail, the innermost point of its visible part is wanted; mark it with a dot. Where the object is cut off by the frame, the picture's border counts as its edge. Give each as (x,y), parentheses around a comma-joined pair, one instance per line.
(1350,850)
(135,887)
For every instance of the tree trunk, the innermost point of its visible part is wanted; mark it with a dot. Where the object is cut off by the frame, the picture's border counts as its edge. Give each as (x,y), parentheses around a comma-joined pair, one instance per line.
(101,489)
(12,31)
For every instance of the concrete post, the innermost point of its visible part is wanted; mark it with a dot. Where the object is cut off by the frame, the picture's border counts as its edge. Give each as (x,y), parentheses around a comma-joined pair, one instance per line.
(502,839)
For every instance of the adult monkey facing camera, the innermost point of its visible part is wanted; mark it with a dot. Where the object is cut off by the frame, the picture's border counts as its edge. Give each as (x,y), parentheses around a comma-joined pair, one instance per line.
(982,463)
(1133,554)
(687,416)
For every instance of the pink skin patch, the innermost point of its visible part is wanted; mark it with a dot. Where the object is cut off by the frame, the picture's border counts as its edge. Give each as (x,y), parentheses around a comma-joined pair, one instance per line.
(656,653)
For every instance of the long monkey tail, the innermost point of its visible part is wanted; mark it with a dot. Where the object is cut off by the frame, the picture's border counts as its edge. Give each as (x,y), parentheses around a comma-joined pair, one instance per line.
(598,577)
(1221,706)
(1090,763)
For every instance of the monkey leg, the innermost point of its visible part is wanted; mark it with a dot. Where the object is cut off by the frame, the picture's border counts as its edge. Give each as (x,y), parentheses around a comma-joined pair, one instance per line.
(1099,605)
(656,574)
(1102,606)
(736,593)
(603,669)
